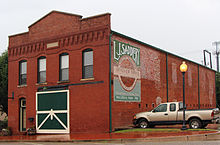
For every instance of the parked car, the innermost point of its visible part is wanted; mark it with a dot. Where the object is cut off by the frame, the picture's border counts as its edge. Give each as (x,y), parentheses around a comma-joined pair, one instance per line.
(171,113)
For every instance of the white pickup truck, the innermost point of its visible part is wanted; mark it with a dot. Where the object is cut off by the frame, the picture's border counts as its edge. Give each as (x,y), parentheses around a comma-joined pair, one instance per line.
(171,113)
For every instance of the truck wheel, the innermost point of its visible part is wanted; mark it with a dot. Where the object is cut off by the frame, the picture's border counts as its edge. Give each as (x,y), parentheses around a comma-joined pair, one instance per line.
(195,123)
(143,123)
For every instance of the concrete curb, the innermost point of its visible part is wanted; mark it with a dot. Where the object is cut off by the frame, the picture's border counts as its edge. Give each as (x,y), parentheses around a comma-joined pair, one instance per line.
(198,137)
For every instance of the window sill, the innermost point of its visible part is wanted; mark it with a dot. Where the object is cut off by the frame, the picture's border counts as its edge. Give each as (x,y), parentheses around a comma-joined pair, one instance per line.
(21,86)
(88,79)
(60,82)
(44,83)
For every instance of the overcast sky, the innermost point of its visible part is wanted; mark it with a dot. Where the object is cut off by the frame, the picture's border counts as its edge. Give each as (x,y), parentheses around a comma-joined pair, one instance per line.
(182,27)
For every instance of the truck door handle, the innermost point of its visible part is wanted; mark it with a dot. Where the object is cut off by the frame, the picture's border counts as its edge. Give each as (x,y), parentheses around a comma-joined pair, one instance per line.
(166,114)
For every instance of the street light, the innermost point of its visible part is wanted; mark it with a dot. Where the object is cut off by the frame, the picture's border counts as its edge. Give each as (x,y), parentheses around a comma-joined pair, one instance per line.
(183,69)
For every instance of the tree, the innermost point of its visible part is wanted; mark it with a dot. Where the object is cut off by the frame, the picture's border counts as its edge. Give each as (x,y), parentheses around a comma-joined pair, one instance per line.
(4,81)
(218,89)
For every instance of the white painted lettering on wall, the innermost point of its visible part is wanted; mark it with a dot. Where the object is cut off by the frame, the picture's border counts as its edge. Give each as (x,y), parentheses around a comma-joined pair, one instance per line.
(158,100)
(150,66)
(189,73)
(126,70)
(174,73)
(121,49)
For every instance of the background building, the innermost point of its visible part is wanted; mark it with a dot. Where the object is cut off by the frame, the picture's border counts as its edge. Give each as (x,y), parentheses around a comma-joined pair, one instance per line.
(72,74)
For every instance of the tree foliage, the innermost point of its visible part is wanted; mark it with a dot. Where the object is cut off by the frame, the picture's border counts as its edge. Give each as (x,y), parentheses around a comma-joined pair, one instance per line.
(4,81)
(218,89)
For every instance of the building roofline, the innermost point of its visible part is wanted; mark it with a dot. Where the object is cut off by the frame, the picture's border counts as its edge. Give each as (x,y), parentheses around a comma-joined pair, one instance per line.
(159,49)
(100,15)
(54,11)
(13,35)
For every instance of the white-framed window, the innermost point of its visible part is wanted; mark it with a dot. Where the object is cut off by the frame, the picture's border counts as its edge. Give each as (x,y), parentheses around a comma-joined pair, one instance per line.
(64,67)
(23,72)
(41,76)
(87,61)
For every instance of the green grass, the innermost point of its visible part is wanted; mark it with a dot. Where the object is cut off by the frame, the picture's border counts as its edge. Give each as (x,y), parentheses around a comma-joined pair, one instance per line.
(159,130)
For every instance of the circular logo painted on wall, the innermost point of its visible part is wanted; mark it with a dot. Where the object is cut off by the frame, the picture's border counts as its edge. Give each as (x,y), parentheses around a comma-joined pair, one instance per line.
(127,73)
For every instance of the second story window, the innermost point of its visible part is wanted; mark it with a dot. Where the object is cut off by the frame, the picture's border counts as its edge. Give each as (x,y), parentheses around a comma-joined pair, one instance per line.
(23,72)
(41,76)
(87,70)
(64,67)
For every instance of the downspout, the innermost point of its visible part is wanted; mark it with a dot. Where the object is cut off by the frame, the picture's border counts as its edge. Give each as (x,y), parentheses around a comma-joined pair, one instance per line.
(110,85)
(167,77)
(216,91)
(198,89)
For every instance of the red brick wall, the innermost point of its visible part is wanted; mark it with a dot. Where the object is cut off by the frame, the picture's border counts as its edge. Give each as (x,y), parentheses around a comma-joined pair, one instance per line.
(59,24)
(154,83)
(175,78)
(207,88)
(89,104)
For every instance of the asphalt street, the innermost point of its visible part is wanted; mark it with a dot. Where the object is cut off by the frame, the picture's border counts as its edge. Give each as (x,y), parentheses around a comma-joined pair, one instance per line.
(131,143)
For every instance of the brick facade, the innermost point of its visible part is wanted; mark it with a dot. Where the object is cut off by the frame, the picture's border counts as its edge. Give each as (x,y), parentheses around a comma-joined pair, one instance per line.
(158,66)
(58,33)
(73,35)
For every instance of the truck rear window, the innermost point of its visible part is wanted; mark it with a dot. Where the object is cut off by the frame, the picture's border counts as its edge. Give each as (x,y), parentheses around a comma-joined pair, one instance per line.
(172,107)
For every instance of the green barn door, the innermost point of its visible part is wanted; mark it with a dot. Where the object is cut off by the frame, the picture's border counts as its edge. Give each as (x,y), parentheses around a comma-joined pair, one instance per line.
(52,112)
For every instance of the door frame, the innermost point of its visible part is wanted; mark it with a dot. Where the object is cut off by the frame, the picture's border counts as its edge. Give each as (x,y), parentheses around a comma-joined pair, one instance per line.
(22,115)
(53,130)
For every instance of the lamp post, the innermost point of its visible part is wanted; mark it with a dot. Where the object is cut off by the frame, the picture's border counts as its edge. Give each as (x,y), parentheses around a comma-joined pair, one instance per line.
(183,69)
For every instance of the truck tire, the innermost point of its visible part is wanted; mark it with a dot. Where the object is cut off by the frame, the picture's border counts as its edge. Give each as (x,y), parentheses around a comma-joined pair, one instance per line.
(195,123)
(143,123)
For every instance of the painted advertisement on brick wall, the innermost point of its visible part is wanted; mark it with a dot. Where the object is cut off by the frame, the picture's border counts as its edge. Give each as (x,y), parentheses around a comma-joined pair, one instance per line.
(126,72)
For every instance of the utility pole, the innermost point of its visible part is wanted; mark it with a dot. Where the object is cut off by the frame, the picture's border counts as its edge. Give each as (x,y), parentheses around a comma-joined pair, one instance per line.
(210,58)
(216,52)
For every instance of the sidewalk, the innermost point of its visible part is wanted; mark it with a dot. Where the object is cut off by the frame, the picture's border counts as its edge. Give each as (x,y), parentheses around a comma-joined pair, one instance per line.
(122,137)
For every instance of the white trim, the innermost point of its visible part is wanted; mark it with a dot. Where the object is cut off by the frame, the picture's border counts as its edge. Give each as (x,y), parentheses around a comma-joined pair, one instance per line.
(57,111)
(52,114)
(52,92)
(20,119)
(60,122)
(21,103)
(43,121)
(55,131)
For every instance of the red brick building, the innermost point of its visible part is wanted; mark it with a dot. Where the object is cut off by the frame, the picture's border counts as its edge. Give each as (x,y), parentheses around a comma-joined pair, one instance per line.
(72,74)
